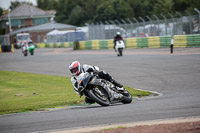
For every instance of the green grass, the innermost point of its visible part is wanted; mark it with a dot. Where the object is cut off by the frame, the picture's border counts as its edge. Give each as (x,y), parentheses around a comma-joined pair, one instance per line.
(113,128)
(20,92)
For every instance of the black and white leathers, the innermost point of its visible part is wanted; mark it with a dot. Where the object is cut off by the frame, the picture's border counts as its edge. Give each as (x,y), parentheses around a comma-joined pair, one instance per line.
(84,68)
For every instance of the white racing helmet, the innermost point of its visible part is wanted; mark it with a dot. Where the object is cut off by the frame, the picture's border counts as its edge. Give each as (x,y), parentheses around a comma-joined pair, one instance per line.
(118,33)
(75,68)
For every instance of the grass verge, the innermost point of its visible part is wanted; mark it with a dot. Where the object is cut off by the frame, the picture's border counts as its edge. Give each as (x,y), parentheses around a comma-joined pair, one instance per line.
(21,92)
(113,128)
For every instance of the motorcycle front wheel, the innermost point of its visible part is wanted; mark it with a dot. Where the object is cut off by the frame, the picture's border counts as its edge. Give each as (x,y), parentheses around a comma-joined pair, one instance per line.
(127,97)
(99,95)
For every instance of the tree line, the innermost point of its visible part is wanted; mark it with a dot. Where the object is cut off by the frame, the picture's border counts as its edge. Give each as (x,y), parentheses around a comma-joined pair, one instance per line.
(80,12)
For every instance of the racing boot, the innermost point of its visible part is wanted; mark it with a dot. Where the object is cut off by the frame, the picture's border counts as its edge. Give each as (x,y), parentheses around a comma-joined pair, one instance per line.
(119,86)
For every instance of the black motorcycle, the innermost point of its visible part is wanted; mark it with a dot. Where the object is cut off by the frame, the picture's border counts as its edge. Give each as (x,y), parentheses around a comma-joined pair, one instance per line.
(101,91)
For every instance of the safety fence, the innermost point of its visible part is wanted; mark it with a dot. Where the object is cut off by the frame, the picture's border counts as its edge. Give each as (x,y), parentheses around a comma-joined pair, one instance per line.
(132,27)
(144,42)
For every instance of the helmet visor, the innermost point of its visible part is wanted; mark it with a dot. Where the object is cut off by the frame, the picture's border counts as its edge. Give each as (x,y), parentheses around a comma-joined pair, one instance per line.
(74,70)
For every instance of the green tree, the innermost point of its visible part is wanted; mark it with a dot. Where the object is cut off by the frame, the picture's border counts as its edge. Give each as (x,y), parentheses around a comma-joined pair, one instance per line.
(44,4)
(142,8)
(193,4)
(90,7)
(2,30)
(163,6)
(1,11)
(180,5)
(78,12)
(66,11)
(113,9)
(17,3)
(62,11)
(14,4)
(77,16)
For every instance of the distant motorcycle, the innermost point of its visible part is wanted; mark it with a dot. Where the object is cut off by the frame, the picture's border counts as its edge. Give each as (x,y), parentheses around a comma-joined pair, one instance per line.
(119,47)
(31,48)
(24,47)
(101,91)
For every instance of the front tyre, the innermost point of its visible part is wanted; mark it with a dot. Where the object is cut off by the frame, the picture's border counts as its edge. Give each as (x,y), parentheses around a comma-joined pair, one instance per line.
(127,97)
(120,51)
(99,98)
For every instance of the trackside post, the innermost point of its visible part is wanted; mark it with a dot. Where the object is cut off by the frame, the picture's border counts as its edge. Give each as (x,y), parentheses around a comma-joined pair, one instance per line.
(172,44)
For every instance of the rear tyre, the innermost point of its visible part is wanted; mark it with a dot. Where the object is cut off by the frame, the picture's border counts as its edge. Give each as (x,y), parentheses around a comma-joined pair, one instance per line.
(120,51)
(25,54)
(98,98)
(32,52)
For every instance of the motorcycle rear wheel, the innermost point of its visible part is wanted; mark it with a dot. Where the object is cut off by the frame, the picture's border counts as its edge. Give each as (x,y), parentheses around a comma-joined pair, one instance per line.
(120,51)
(32,52)
(102,100)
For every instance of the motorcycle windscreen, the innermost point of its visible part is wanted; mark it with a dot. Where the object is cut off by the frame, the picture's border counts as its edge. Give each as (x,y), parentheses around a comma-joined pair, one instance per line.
(83,79)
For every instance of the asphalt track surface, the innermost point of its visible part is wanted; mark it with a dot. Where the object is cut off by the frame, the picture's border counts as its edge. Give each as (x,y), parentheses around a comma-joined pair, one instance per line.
(176,76)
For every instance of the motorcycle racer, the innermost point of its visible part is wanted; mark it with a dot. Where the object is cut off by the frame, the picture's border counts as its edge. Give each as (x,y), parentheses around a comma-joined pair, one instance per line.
(117,38)
(76,69)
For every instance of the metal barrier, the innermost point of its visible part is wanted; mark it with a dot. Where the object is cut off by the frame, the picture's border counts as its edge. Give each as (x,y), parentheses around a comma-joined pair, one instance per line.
(133,28)
(144,42)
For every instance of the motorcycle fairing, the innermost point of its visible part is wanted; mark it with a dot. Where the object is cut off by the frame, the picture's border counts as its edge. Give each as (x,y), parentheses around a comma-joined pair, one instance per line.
(98,82)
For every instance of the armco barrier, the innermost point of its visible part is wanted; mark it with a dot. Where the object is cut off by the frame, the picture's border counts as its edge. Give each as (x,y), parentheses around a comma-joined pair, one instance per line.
(81,45)
(165,41)
(95,44)
(110,44)
(55,45)
(154,42)
(0,49)
(180,41)
(193,40)
(103,44)
(131,43)
(144,42)
(88,44)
